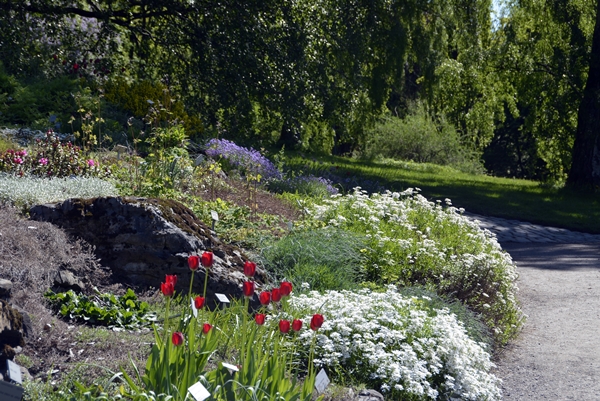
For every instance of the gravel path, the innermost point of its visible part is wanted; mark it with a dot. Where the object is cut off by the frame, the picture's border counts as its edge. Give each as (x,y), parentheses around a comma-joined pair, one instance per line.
(557,356)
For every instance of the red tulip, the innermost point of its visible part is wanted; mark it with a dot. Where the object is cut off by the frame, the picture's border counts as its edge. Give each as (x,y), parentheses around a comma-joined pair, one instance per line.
(284,326)
(207,259)
(206,328)
(248,288)
(260,319)
(265,298)
(275,295)
(177,338)
(317,321)
(193,262)
(171,278)
(286,288)
(296,324)
(249,268)
(199,302)
(167,289)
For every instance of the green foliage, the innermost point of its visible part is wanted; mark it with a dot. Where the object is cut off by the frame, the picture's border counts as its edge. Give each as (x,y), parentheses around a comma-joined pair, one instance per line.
(418,137)
(124,311)
(326,259)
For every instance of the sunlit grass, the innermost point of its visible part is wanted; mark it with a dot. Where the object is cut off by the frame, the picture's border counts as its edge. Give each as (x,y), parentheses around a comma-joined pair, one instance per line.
(518,199)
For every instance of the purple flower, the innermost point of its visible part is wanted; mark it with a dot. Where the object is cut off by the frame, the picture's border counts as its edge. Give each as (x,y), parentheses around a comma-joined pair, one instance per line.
(43,161)
(247,160)
(91,163)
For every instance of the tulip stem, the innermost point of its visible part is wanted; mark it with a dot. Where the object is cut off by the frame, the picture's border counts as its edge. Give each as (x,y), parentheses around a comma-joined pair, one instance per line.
(191,283)
(205,281)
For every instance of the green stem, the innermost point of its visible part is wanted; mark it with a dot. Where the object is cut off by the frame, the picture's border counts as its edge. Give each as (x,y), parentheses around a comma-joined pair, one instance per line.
(191,283)
(167,345)
(205,281)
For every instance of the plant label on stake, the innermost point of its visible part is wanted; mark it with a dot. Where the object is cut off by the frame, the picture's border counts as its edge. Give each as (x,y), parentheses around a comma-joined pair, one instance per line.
(321,381)
(222,298)
(215,217)
(14,371)
(199,392)
(10,392)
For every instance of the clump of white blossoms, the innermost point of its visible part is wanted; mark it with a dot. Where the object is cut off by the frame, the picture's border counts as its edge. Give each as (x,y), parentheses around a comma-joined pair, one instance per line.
(414,241)
(398,344)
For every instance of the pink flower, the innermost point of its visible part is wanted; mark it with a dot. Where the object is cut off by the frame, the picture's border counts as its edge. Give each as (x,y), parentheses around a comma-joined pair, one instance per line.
(248,289)
(91,163)
(193,262)
(18,160)
(177,338)
(249,268)
(43,161)
(260,318)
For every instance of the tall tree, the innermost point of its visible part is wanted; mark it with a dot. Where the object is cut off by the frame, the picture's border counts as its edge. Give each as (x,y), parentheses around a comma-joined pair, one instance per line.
(585,168)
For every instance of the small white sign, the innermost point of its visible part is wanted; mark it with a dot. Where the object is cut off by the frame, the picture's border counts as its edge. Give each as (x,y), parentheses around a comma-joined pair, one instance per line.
(14,371)
(230,367)
(199,392)
(321,381)
(214,215)
(222,298)
(194,310)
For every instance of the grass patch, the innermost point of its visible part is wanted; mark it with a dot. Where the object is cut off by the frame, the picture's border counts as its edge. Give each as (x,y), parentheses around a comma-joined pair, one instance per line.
(518,199)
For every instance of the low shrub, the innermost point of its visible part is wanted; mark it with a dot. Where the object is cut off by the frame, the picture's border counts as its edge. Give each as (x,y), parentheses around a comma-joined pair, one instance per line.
(304,185)
(419,138)
(398,344)
(411,241)
(325,259)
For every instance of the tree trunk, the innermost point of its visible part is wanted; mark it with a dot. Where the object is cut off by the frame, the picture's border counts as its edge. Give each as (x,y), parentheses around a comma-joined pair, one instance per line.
(585,167)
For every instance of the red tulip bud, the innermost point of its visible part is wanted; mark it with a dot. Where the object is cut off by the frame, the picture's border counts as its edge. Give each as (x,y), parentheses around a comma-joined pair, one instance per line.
(171,278)
(177,338)
(317,321)
(265,297)
(199,302)
(249,269)
(286,288)
(284,326)
(275,295)
(193,262)
(248,288)
(207,259)
(296,324)
(206,328)
(260,318)
(167,289)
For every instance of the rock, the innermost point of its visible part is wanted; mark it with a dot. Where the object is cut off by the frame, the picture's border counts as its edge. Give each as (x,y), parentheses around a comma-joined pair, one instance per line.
(5,288)
(11,331)
(142,240)
(64,279)
(369,395)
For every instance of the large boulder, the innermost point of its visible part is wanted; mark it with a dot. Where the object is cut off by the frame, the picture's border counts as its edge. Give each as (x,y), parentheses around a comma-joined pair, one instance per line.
(142,240)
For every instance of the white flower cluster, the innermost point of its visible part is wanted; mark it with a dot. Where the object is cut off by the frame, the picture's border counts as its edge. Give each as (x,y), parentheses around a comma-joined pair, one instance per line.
(400,344)
(414,241)
(29,191)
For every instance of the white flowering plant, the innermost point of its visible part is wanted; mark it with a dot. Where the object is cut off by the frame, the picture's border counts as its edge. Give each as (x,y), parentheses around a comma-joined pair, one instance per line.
(398,344)
(412,241)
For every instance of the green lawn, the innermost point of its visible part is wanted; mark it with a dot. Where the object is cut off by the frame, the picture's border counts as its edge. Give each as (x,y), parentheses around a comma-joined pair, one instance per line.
(501,197)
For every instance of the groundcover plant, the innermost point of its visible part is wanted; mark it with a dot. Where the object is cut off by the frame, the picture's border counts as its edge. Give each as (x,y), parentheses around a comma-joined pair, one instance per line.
(399,345)
(412,241)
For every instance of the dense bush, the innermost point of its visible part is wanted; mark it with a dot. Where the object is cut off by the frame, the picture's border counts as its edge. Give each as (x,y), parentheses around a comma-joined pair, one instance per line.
(419,138)
(414,241)
(325,259)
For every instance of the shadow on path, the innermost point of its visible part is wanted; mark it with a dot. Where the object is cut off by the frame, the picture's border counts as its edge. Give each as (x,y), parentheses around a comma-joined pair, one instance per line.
(555,256)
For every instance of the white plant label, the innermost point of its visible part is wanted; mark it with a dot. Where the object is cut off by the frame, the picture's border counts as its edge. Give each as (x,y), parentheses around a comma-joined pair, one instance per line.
(194,310)
(222,298)
(214,215)
(321,381)
(14,371)
(230,367)
(199,392)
